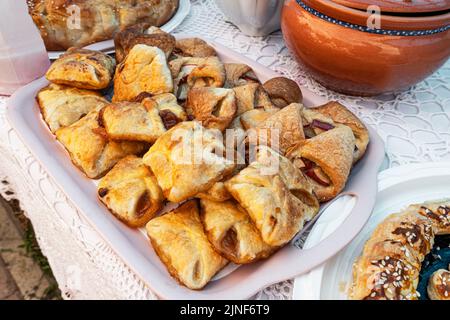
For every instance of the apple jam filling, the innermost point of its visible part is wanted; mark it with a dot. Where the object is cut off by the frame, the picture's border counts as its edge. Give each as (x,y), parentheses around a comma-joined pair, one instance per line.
(313,171)
(316,127)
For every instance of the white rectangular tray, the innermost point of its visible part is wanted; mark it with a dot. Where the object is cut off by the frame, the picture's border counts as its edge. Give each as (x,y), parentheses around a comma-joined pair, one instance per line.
(133,246)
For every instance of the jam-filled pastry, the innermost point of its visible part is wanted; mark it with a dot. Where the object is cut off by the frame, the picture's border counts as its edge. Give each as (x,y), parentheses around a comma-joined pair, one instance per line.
(187,160)
(193,47)
(191,72)
(278,198)
(144,69)
(315,123)
(62,105)
(142,33)
(180,242)
(145,121)
(131,192)
(283,91)
(256,117)
(340,114)
(213,107)
(252,96)
(81,68)
(232,233)
(439,285)
(239,74)
(326,160)
(90,148)
(437,211)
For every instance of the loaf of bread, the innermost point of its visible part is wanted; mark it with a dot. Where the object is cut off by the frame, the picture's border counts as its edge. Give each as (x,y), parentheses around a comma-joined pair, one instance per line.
(77,23)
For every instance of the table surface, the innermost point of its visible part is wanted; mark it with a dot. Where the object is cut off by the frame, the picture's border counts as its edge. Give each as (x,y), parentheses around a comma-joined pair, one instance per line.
(414,124)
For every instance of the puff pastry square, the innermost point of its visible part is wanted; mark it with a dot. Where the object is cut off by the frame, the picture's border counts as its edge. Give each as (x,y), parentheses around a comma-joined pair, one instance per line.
(276,195)
(232,233)
(62,105)
(180,242)
(187,160)
(252,96)
(218,192)
(131,192)
(238,74)
(81,68)
(145,121)
(144,69)
(91,150)
(254,118)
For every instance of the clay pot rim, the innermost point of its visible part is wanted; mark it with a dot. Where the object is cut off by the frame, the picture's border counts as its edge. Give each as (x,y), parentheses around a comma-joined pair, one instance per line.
(388,22)
(397,7)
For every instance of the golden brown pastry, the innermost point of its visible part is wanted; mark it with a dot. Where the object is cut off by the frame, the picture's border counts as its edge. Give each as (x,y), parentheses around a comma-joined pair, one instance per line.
(90,149)
(142,33)
(256,117)
(218,193)
(232,233)
(131,192)
(61,105)
(278,198)
(252,96)
(144,69)
(389,266)
(439,285)
(99,19)
(193,47)
(145,121)
(283,91)
(326,160)
(181,244)
(340,114)
(188,73)
(315,123)
(238,74)
(81,68)
(213,107)
(187,160)
(437,211)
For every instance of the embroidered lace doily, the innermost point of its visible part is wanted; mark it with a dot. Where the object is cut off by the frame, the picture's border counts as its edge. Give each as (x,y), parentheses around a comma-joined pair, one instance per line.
(414,124)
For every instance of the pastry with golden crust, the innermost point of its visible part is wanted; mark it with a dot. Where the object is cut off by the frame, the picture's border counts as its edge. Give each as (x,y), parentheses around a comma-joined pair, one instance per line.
(232,233)
(283,91)
(239,74)
(253,118)
(218,193)
(62,105)
(437,211)
(81,68)
(90,148)
(144,69)
(145,121)
(192,72)
(193,47)
(439,285)
(213,107)
(278,198)
(180,242)
(326,160)
(130,191)
(187,160)
(252,96)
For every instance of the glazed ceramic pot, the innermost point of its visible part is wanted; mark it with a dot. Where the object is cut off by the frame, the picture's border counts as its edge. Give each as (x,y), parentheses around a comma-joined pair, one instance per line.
(357,51)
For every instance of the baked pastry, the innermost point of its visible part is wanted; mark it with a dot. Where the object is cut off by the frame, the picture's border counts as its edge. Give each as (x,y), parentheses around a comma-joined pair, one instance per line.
(91,150)
(340,114)
(390,263)
(232,233)
(437,211)
(131,192)
(326,160)
(81,68)
(283,91)
(213,107)
(252,96)
(99,19)
(439,285)
(278,198)
(145,121)
(188,73)
(315,123)
(187,160)
(144,69)
(181,244)
(142,33)
(238,74)
(61,105)
(193,47)
(256,117)
(218,193)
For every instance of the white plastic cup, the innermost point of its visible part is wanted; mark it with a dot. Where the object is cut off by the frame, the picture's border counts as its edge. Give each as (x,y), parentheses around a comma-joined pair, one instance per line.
(23,57)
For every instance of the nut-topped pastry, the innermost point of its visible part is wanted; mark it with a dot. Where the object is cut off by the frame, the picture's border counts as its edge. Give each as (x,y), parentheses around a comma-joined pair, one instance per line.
(439,285)
(437,211)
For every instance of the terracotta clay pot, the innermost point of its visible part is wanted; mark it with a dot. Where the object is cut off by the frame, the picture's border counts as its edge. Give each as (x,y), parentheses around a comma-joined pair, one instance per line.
(334,42)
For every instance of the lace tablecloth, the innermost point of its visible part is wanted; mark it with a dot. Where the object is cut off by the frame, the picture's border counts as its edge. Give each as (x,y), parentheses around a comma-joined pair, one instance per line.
(414,124)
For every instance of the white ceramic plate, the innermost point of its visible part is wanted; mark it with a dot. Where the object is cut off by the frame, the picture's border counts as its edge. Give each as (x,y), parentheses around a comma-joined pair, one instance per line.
(397,188)
(133,246)
(107,46)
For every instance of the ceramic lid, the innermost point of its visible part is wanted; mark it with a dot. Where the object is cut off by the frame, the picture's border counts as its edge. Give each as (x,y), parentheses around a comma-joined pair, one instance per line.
(399,6)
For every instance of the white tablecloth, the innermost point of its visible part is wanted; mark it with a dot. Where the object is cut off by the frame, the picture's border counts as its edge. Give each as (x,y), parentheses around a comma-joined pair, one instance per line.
(414,124)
